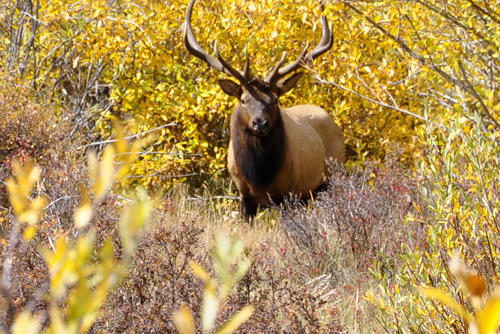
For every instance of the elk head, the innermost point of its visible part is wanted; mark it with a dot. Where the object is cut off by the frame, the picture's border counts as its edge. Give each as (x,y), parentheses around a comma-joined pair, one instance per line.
(258,107)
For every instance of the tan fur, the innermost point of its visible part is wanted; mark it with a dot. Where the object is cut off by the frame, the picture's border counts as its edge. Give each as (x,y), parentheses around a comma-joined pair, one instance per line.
(311,137)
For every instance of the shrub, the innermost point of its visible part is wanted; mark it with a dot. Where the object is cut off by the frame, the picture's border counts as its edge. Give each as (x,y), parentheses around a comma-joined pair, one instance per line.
(344,229)
(160,281)
(459,184)
(40,134)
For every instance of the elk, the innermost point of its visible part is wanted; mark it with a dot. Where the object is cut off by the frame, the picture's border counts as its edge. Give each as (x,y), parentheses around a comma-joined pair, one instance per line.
(273,151)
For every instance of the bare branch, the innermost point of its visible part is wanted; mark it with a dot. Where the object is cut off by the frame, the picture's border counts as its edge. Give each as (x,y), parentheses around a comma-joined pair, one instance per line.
(127,138)
(318,79)
(457,82)
(476,95)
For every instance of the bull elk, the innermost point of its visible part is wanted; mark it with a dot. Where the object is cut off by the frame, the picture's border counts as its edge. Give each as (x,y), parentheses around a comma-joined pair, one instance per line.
(273,151)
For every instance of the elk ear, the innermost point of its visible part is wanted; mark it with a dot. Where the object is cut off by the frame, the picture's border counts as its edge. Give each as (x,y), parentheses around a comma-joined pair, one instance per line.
(285,85)
(230,87)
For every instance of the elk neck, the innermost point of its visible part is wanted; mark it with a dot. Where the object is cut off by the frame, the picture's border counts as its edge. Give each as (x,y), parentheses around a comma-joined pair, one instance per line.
(259,158)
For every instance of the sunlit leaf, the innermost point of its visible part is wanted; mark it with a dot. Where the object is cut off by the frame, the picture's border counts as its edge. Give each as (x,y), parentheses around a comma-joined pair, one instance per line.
(106,173)
(30,232)
(200,271)
(236,321)
(487,319)
(184,321)
(132,219)
(25,323)
(210,306)
(83,213)
(446,300)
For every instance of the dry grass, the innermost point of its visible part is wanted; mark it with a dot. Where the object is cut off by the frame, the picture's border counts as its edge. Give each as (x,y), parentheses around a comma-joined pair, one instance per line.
(320,253)
(310,262)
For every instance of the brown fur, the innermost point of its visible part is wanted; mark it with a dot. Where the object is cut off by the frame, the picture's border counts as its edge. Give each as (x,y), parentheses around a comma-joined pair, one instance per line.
(304,139)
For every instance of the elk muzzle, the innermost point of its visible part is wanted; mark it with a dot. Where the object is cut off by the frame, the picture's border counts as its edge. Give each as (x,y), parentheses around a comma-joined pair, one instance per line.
(260,125)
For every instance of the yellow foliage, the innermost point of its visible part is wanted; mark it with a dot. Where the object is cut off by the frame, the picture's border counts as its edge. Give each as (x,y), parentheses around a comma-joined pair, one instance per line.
(139,52)
(485,320)
(80,276)
(227,254)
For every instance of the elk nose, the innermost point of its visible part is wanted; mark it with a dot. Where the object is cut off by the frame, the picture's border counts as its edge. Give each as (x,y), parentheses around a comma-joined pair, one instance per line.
(260,124)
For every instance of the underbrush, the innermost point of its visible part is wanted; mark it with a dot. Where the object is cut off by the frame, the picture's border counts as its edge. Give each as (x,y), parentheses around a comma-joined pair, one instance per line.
(310,263)
(351,228)
(314,265)
(40,134)
(459,186)
(160,281)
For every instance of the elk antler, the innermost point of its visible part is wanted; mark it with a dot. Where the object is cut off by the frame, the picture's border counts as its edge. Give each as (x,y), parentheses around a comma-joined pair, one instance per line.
(324,45)
(196,50)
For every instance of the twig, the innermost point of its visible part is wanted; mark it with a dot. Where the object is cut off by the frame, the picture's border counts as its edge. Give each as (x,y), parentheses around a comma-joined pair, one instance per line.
(127,138)
(59,199)
(161,176)
(476,95)
(137,26)
(7,270)
(457,82)
(375,101)
(163,153)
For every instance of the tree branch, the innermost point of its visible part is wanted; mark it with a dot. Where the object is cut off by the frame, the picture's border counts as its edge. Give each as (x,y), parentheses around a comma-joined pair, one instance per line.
(127,138)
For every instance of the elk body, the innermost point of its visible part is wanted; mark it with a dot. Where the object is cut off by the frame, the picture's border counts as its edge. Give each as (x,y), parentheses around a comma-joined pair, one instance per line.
(273,151)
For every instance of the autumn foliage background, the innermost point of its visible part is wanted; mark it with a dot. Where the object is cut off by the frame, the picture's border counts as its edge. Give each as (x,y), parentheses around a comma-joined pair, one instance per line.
(413,85)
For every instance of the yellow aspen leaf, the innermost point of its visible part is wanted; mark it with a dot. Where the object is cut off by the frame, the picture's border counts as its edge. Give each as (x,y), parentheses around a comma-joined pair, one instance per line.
(83,214)
(210,305)
(447,300)
(237,320)
(487,319)
(106,172)
(28,216)
(121,143)
(184,321)
(200,271)
(382,305)
(25,323)
(30,232)
(32,214)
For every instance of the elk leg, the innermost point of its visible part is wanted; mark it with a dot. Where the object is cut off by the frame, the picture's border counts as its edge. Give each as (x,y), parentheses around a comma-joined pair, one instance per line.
(248,208)
(322,187)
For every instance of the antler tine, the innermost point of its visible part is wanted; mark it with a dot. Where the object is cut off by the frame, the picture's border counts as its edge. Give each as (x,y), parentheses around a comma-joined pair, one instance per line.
(293,66)
(196,50)
(326,42)
(246,70)
(234,72)
(324,45)
(272,75)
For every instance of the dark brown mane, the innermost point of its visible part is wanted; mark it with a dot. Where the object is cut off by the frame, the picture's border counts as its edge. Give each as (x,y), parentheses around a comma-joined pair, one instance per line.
(259,158)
